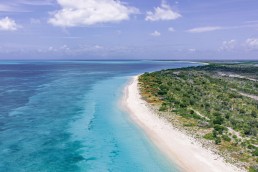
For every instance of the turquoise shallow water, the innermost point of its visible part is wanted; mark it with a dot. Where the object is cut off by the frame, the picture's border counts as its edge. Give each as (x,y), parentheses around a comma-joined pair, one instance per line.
(65,116)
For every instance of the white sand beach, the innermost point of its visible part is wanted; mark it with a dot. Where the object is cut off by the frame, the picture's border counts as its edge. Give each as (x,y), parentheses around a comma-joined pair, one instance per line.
(183,150)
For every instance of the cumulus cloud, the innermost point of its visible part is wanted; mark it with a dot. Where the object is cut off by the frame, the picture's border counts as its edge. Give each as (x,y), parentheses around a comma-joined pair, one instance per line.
(228,45)
(90,12)
(164,12)
(7,24)
(252,43)
(155,33)
(204,29)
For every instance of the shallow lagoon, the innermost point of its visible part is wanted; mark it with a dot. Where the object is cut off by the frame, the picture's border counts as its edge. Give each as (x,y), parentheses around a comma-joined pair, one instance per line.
(65,116)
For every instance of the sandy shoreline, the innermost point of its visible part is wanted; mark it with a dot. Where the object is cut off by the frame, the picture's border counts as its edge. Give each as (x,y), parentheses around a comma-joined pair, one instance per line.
(181,149)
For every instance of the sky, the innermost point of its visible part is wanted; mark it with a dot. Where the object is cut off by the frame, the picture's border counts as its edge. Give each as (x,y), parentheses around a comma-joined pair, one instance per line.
(123,29)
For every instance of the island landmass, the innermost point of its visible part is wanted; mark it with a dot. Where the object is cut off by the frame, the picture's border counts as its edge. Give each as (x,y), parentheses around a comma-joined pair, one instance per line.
(216,104)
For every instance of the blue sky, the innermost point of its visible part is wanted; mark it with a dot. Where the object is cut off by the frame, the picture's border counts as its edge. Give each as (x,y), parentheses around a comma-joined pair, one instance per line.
(135,29)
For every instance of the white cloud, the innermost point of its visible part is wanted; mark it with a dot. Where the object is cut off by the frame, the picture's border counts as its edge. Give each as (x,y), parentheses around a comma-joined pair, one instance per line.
(64,48)
(36,2)
(164,12)
(252,43)
(98,47)
(192,49)
(7,24)
(90,12)
(228,45)
(171,29)
(204,29)
(51,48)
(10,6)
(6,8)
(155,33)
(19,6)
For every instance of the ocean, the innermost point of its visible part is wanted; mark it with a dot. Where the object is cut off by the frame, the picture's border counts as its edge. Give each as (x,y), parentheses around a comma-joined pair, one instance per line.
(64,116)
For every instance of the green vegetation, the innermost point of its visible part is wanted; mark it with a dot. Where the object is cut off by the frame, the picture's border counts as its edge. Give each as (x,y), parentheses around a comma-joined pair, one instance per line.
(219,100)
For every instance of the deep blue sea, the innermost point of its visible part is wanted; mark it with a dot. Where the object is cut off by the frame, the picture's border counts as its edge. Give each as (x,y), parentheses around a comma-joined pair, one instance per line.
(64,116)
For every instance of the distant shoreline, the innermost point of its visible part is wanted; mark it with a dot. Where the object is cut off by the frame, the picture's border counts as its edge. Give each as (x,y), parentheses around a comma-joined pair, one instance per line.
(180,148)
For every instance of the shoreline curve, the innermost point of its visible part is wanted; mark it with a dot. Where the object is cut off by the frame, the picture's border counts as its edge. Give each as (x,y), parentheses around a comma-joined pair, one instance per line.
(181,149)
